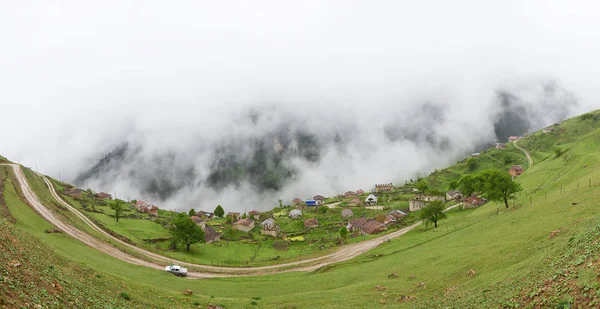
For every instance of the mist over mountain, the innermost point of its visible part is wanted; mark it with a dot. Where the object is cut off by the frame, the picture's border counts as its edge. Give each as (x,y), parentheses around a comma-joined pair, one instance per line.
(282,154)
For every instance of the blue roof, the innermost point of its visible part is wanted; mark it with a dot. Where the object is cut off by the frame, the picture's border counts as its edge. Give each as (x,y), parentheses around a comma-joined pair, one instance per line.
(311,203)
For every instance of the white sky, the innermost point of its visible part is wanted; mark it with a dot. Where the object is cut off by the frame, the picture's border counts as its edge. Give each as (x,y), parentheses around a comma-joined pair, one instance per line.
(78,77)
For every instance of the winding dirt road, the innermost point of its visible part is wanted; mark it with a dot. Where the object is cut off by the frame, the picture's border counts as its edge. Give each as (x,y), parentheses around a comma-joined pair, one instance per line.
(526,154)
(207,271)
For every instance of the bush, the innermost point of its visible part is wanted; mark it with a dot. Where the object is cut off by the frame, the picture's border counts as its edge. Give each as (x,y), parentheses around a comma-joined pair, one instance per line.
(125,296)
(323,209)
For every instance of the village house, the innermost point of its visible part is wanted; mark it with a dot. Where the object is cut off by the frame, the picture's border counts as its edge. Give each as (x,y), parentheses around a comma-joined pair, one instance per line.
(244,225)
(372,227)
(205,214)
(355,202)
(420,201)
(383,188)
(453,195)
(346,213)
(311,223)
(350,194)
(397,214)
(144,207)
(360,191)
(513,138)
(500,145)
(235,216)
(473,201)
(297,201)
(320,199)
(354,225)
(269,227)
(254,214)
(73,192)
(475,155)
(210,235)
(152,210)
(548,130)
(515,170)
(104,196)
(389,219)
(199,221)
(371,200)
(295,214)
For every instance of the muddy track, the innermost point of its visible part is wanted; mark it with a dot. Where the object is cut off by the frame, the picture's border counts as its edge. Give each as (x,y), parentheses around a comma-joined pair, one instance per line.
(527,154)
(205,271)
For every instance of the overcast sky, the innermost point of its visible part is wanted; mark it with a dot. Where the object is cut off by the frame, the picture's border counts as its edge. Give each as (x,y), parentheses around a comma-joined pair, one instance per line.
(79,77)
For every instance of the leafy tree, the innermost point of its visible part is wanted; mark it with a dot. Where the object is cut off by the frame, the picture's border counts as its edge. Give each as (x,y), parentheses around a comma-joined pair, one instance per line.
(191,212)
(499,186)
(185,231)
(453,185)
(421,185)
(343,233)
(219,212)
(118,206)
(244,216)
(472,164)
(380,218)
(280,202)
(433,212)
(468,185)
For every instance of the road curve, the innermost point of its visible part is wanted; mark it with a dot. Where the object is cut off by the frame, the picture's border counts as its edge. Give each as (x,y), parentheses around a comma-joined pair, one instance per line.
(526,154)
(344,253)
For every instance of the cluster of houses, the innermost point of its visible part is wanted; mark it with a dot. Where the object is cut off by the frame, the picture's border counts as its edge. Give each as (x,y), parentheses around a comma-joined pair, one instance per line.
(369,226)
(421,200)
(144,207)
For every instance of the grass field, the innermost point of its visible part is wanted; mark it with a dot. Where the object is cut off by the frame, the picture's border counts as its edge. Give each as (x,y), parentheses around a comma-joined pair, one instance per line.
(540,253)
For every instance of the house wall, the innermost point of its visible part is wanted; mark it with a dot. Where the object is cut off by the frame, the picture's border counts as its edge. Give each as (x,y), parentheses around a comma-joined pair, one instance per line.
(218,238)
(244,228)
(415,205)
(269,232)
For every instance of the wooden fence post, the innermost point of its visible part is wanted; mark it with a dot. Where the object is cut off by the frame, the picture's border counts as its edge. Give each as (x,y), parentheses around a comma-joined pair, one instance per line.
(530,199)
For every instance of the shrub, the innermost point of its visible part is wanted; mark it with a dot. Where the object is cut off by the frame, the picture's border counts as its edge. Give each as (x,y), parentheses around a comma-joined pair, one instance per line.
(125,296)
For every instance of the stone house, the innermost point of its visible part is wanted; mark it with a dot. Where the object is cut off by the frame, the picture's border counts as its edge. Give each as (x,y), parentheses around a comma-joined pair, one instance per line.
(372,227)
(205,214)
(354,225)
(360,191)
(383,187)
(389,219)
(350,194)
(73,192)
(104,196)
(235,216)
(319,198)
(311,223)
(355,202)
(297,201)
(513,138)
(473,202)
(475,155)
(199,221)
(295,214)
(500,145)
(420,201)
(397,214)
(210,235)
(371,200)
(255,214)
(453,195)
(516,170)
(269,227)
(244,225)
(346,213)
(548,130)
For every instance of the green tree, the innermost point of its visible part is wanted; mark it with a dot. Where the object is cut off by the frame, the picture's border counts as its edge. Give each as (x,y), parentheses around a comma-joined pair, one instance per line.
(468,185)
(453,185)
(343,233)
(433,212)
(244,216)
(185,231)
(472,164)
(118,206)
(280,202)
(323,209)
(499,186)
(192,212)
(219,212)
(422,185)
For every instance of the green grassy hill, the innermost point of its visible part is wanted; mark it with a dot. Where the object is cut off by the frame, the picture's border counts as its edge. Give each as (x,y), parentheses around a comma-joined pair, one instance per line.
(540,253)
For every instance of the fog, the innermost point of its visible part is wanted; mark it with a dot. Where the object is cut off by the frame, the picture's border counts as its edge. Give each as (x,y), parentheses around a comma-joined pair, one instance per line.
(241,103)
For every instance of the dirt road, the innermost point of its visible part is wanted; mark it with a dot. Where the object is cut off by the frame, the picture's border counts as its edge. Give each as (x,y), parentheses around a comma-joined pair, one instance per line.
(344,253)
(526,154)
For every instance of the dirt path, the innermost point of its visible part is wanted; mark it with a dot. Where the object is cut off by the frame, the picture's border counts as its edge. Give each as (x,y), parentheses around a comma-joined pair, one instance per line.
(526,153)
(344,253)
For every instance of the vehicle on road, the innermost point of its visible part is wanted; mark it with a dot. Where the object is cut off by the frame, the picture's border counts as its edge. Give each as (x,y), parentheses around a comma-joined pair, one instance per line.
(176,270)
